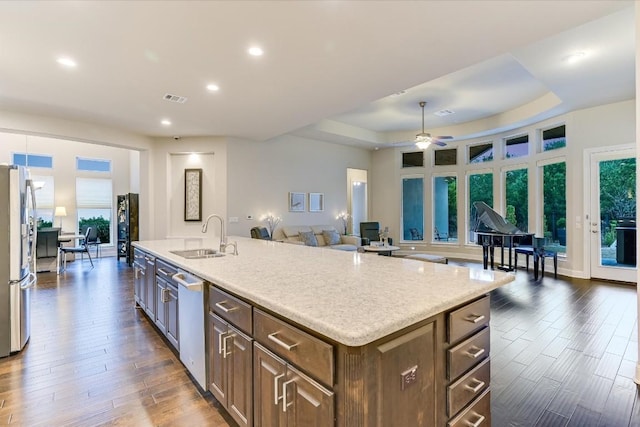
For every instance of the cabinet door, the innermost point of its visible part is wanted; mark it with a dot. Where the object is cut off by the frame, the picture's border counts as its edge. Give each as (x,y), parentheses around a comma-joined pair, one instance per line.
(268,377)
(307,403)
(240,379)
(406,371)
(150,286)
(161,312)
(217,362)
(172,315)
(138,284)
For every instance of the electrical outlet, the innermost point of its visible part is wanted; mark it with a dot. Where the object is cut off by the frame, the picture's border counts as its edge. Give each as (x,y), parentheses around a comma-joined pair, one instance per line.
(233,219)
(410,376)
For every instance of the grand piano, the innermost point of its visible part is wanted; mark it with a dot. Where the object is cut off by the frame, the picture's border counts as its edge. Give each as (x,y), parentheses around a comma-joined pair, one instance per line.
(492,231)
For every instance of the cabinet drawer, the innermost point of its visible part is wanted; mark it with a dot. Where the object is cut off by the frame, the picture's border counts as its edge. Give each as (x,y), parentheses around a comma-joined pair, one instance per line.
(138,256)
(468,319)
(165,270)
(467,388)
(307,352)
(477,415)
(230,308)
(468,353)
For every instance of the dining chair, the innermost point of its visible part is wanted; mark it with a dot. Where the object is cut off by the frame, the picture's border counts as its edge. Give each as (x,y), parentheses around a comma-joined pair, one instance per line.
(81,249)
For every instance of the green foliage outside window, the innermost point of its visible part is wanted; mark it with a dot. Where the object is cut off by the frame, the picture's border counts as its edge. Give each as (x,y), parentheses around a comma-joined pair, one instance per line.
(98,222)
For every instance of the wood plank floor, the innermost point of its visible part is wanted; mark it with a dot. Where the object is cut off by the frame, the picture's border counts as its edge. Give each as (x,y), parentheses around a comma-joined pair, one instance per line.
(563,354)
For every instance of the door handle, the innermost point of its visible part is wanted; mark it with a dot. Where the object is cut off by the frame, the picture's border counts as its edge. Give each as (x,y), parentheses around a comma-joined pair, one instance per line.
(224,346)
(276,389)
(284,395)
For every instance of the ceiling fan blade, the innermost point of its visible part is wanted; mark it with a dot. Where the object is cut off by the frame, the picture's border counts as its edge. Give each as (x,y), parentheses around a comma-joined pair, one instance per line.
(443,137)
(439,143)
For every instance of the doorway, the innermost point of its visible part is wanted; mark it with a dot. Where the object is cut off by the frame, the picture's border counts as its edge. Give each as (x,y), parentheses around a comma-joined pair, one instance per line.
(611,222)
(357,203)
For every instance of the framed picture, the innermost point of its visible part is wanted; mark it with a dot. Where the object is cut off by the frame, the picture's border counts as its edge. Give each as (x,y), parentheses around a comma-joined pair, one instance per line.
(316,202)
(193,194)
(297,202)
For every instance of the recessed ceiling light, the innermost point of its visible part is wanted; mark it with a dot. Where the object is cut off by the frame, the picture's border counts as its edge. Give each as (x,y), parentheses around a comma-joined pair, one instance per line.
(402,92)
(166,122)
(67,62)
(213,87)
(575,57)
(256,51)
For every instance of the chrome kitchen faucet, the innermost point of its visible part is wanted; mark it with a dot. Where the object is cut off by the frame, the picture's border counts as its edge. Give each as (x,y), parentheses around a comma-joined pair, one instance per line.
(223,237)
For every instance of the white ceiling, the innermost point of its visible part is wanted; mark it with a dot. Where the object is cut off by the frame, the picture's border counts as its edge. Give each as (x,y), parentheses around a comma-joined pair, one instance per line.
(328,70)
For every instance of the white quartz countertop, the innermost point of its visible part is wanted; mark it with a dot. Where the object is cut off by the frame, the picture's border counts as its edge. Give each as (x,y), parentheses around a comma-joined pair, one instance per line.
(352,298)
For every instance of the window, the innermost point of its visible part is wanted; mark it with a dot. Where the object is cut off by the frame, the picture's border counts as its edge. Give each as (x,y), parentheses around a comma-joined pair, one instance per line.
(481,153)
(44,200)
(480,189)
(412,160)
(93,165)
(554,138)
(412,208)
(554,202)
(516,147)
(445,157)
(33,160)
(93,199)
(517,198)
(445,209)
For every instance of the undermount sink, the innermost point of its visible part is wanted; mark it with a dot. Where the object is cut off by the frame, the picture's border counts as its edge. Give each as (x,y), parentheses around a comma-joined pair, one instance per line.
(198,253)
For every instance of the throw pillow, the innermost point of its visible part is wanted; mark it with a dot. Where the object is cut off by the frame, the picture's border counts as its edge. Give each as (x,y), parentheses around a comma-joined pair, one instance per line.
(331,237)
(308,238)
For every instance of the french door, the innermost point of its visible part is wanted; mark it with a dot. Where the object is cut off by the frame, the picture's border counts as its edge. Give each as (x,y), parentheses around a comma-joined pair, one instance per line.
(612,218)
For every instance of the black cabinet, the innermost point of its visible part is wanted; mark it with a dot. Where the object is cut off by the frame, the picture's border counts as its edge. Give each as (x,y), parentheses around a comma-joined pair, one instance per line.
(127,219)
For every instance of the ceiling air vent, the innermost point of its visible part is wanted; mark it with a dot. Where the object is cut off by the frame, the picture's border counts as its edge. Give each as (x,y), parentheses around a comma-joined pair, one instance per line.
(443,113)
(175,98)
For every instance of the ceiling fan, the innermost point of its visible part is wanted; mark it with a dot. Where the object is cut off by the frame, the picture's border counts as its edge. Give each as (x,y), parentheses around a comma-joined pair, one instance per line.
(423,139)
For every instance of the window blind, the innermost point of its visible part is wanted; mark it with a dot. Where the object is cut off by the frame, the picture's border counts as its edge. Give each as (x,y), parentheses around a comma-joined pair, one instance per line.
(45,195)
(92,193)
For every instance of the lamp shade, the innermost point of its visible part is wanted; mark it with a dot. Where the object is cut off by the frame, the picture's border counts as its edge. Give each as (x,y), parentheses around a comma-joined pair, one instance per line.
(60,211)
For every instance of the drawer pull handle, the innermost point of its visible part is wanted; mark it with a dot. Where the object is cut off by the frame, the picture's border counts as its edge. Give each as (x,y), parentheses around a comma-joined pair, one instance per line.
(223,308)
(284,395)
(163,271)
(478,386)
(475,318)
(479,421)
(276,389)
(281,343)
(478,352)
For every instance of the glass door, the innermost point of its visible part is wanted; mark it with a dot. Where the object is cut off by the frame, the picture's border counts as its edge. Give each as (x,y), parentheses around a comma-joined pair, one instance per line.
(612,220)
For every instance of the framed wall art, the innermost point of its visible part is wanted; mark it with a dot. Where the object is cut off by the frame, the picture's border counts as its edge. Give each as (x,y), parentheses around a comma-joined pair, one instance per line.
(193,194)
(316,202)
(297,202)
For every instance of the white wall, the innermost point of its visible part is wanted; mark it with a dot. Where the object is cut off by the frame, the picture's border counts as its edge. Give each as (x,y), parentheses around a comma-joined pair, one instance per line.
(170,158)
(261,175)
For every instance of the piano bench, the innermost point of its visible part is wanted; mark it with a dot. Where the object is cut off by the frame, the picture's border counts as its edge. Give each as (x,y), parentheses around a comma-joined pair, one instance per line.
(544,253)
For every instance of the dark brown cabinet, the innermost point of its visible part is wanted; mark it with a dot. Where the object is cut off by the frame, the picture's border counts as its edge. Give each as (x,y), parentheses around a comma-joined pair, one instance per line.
(230,369)
(127,225)
(148,290)
(166,297)
(139,274)
(285,397)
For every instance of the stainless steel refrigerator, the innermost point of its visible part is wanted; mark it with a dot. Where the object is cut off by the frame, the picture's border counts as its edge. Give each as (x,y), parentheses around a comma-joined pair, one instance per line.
(17,257)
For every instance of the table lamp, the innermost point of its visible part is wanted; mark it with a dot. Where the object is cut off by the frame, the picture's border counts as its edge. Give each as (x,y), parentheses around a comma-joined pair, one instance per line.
(60,211)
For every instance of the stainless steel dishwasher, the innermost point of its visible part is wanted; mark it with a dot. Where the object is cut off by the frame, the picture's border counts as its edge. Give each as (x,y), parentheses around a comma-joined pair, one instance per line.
(191,324)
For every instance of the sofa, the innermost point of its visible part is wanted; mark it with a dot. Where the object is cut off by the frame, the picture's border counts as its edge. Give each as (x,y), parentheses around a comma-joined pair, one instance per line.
(317,235)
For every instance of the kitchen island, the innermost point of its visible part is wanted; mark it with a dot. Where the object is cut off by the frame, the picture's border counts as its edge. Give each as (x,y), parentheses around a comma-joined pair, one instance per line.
(308,336)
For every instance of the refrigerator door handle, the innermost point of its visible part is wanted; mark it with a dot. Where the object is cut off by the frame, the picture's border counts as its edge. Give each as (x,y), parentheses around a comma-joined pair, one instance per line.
(31,280)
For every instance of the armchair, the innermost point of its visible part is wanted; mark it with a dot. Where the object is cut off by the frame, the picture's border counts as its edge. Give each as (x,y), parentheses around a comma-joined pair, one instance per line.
(370,232)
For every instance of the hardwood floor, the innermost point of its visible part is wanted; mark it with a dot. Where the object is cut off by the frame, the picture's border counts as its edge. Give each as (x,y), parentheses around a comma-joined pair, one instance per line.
(563,354)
